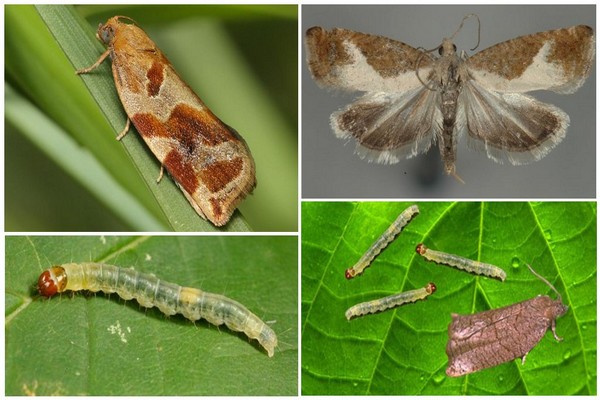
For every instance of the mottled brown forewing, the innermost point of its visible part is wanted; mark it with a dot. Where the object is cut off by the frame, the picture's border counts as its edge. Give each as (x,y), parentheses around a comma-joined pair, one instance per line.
(335,59)
(558,60)
(493,337)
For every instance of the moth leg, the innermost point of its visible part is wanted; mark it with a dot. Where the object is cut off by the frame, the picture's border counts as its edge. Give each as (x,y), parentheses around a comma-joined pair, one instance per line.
(458,178)
(523,359)
(160,174)
(125,130)
(95,65)
(558,338)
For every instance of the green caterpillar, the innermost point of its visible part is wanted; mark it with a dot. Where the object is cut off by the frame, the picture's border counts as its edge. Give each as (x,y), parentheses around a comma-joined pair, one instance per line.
(150,291)
(390,233)
(394,300)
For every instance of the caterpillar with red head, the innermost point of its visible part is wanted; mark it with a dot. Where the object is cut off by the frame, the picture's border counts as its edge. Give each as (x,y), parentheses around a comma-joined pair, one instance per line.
(149,291)
(390,233)
(475,267)
(395,300)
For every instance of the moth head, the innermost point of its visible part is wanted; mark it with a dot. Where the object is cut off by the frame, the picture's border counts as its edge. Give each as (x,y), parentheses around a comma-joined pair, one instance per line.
(447,47)
(106,32)
(52,281)
(556,309)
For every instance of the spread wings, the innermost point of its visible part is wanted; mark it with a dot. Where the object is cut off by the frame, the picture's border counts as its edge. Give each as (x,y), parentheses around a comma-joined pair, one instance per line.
(399,116)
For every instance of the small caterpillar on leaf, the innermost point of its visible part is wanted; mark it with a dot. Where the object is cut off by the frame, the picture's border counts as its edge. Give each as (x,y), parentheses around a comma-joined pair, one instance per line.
(385,239)
(394,300)
(459,262)
(150,292)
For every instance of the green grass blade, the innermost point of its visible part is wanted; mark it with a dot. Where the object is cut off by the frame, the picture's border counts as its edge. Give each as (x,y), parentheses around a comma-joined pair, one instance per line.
(61,148)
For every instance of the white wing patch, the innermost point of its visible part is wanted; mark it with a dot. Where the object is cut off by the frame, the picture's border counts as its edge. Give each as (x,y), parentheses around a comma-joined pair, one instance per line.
(362,75)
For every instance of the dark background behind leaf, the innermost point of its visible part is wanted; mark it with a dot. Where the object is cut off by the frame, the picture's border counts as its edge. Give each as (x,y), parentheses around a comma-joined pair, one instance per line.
(402,351)
(64,346)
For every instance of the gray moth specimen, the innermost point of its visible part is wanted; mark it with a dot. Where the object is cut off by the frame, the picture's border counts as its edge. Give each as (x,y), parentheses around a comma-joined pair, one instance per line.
(413,98)
(493,337)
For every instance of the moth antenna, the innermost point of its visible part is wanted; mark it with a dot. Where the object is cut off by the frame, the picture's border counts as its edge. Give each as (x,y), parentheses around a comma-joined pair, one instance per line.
(126,18)
(424,50)
(545,281)
(478,28)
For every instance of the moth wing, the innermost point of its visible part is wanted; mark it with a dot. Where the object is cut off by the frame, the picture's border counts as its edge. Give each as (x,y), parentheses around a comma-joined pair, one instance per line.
(209,160)
(496,336)
(354,61)
(389,127)
(558,60)
(468,327)
(511,126)
(482,340)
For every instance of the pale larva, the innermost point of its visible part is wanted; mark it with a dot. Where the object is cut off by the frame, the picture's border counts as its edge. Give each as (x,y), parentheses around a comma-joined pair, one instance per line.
(389,235)
(475,267)
(394,300)
(150,291)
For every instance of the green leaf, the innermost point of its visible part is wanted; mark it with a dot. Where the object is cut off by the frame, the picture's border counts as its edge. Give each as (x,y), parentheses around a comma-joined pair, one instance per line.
(102,345)
(89,173)
(402,351)
(43,54)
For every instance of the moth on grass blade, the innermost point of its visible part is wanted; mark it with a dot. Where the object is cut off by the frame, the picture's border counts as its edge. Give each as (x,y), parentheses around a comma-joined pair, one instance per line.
(476,267)
(394,300)
(208,159)
(413,99)
(149,291)
(493,337)
(386,238)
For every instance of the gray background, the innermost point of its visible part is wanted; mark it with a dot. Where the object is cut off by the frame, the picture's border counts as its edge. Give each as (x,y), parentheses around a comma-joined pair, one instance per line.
(330,169)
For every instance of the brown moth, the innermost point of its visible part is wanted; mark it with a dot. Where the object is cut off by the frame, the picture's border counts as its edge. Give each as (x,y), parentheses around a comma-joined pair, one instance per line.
(493,337)
(208,159)
(413,98)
